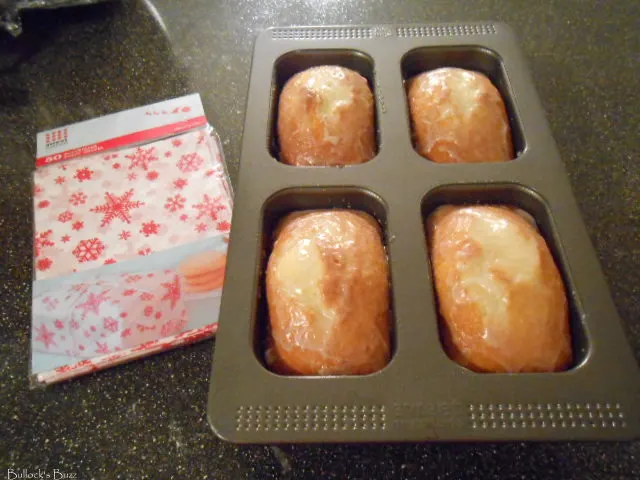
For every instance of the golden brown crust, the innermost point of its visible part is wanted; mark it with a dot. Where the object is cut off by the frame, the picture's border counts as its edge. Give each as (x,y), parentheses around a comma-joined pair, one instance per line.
(501,297)
(328,295)
(326,118)
(459,116)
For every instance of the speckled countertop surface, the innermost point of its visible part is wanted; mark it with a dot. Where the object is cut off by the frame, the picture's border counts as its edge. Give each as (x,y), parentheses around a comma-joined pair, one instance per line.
(147,419)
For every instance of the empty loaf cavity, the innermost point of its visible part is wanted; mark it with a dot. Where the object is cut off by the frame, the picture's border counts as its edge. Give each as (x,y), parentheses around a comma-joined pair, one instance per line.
(326,118)
(502,300)
(328,295)
(459,116)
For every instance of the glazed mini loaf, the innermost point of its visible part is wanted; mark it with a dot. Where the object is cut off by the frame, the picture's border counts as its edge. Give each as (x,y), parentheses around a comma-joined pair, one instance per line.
(328,295)
(459,116)
(326,118)
(501,297)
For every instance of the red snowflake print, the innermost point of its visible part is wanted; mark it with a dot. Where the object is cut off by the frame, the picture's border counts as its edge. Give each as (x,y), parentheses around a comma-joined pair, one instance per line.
(93,304)
(74,324)
(50,303)
(172,327)
(176,142)
(65,216)
(116,166)
(37,190)
(110,261)
(124,315)
(65,239)
(45,336)
(132,176)
(148,311)
(190,162)
(42,240)
(146,345)
(180,183)
(44,204)
(129,292)
(83,174)
(209,173)
(44,264)
(150,228)
(81,347)
(173,292)
(210,207)
(78,225)
(63,167)
(133,278)
(201,227)
(78,198)
(144,328)
(125,235)
(102,348)
(146,296)
(88,250)
(93,328)
(142,158)
(59,324)
(186,109)
(150,275)
(158,315)
(60,180)
(223,226)
(167,154)
(152,175)
(184,217)
(144,251)
(175,203)
(80,287)
(110,324)
(125,333)
(117,207)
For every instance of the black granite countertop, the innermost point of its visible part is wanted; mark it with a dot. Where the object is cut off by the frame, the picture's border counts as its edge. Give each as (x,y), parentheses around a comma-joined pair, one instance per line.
(147,419)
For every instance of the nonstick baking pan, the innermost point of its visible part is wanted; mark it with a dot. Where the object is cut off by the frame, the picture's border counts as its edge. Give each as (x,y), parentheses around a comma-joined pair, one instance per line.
(421,395)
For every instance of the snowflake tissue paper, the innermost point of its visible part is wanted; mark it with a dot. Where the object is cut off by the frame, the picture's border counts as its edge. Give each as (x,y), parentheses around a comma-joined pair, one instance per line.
(133,195)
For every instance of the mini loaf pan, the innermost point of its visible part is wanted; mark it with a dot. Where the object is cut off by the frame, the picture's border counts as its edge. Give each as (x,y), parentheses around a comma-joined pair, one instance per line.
(421,395)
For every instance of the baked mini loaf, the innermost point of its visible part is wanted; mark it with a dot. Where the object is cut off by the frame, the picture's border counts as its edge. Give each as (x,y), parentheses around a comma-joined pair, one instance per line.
(326,118)
(501,297)
(459,116)
(328,295)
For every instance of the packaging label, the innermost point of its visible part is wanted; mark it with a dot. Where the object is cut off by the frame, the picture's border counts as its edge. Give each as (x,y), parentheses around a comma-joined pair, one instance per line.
(138,125)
